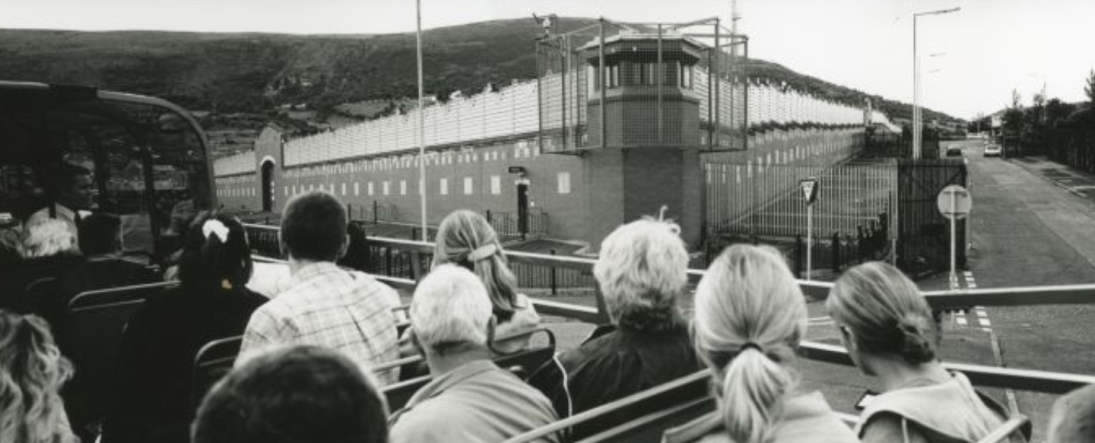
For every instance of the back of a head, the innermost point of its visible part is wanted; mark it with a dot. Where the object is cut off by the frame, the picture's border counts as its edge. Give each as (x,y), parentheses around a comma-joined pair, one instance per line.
(465,238)
(32,372)
(291,395)
(642,269)
(100,234)
(1073,418)
(450,307)
(47,238)
(313,227)
(215,253)
(884,312)
(750,316)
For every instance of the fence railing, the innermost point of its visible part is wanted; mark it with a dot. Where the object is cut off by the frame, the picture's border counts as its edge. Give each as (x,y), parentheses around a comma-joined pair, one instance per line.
(1010,378)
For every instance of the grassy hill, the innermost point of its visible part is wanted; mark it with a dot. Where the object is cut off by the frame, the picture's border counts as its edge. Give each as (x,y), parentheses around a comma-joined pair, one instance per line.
(255,73)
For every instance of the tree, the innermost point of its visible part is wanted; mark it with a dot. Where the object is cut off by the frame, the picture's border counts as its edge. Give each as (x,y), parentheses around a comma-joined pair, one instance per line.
(1090,88)
(1057,111)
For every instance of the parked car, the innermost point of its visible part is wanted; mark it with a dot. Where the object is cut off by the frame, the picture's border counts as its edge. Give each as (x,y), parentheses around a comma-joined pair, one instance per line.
(992,150)
(954,152)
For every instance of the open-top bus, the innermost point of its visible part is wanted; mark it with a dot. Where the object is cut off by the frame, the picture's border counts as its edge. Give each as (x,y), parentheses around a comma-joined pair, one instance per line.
(148,158)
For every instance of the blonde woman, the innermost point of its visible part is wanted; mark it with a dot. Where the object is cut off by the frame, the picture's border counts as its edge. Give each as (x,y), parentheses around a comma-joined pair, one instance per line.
(32,371)
(467,240)
(891,334)
(750,316)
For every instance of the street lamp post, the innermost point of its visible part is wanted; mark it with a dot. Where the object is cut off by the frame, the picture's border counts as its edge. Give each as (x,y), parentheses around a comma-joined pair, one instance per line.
(917,119)
(422,188)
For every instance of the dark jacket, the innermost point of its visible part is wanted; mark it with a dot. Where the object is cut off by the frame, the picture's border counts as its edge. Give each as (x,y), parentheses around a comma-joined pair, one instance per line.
(615,362)
(112,273)
(59,278)
(153,380)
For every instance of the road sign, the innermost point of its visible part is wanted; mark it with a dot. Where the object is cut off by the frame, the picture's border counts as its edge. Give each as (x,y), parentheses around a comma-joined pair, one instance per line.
(954,201)
(810,189)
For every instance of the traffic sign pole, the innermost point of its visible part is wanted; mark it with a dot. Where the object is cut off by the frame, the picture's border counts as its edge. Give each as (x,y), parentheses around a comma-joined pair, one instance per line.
(954,239)
(809,241)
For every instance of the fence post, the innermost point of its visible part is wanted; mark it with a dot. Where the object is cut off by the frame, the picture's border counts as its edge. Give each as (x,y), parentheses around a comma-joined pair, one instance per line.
(553,287)
(376,216)
(488,216)
(799,248)
(350,210)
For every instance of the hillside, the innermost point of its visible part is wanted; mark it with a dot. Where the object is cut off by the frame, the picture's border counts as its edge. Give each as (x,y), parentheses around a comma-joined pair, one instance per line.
(258,73)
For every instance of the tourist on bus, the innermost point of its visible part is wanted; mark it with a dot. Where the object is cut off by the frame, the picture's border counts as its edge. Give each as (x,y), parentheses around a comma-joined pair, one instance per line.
(642,272)
(152,396)
(70,192)
(1073,417)
(326,305)
(101,244)
(891,334)
(465,238)
(469,399)
(32,372)
(750,317)
(294,394)
(52,272)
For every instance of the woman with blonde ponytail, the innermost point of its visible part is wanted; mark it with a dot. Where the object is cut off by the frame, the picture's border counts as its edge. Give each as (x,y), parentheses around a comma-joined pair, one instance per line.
(750,316)
(466,239)
(891,334)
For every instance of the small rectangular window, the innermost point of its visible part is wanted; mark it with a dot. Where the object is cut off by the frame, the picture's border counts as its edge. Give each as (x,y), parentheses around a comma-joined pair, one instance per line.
(444,186)
(343,189)
(357,189)
(468,183)
(402,187)
(495,185)
(564,183)
(386,187)
(370,186)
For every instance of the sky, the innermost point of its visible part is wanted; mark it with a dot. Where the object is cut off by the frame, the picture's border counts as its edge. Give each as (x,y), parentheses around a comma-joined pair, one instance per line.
(971,59)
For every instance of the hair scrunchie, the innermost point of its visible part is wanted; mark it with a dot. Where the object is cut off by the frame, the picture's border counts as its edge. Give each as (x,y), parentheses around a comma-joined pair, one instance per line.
(482,253)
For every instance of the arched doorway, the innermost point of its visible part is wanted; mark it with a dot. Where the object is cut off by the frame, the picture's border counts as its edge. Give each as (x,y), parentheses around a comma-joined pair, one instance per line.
(267,186)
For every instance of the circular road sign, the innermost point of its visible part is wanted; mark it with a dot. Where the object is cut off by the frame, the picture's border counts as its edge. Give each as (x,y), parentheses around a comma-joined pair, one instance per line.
(954,201)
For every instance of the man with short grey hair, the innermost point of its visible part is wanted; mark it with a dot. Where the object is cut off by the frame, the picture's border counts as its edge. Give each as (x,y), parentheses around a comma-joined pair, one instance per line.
(470,398)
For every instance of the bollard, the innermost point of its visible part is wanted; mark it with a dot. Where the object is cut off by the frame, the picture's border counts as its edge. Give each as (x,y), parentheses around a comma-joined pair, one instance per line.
(799,252)
(860,243)
(835,244)
(553,287)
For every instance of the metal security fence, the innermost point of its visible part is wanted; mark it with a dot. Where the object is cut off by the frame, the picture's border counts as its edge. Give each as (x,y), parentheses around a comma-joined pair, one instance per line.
(689,76)
(767,200)
(373,212)
(516,226)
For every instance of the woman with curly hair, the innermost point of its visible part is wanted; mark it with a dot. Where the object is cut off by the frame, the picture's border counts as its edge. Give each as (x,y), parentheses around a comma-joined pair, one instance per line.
(32,371)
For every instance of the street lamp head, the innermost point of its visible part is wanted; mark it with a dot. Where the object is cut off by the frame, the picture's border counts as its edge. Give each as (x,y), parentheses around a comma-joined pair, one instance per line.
(938,12)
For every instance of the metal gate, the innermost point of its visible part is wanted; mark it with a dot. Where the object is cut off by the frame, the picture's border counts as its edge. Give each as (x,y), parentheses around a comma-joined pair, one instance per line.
(924,234)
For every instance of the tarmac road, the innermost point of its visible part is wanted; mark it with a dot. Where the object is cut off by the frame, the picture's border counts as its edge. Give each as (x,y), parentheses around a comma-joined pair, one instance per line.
(1030,230)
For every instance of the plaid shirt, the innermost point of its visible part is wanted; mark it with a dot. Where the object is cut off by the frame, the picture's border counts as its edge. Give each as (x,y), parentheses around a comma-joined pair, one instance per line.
(326,306)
